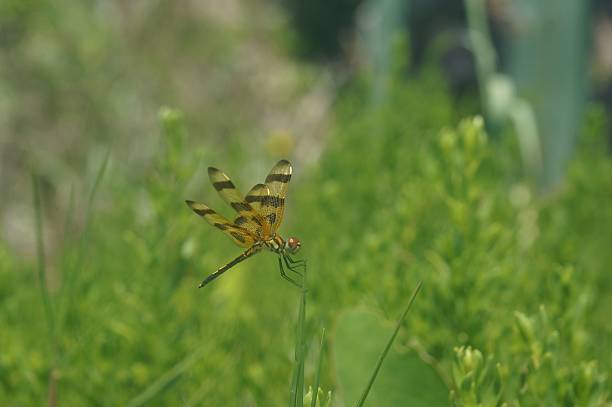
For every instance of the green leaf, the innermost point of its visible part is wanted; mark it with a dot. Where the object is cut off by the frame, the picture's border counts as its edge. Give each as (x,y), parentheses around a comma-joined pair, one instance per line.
(404,378)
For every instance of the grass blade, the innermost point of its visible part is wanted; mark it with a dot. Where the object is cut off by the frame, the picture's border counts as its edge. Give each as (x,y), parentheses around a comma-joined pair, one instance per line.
(297,382)
(46,298)
(317,377)
(84,238)
(166,379)
(71,269)
(98,180)
(366,391)
(40,257)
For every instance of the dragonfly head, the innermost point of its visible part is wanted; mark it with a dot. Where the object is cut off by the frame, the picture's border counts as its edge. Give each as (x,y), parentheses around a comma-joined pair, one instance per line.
(292,245)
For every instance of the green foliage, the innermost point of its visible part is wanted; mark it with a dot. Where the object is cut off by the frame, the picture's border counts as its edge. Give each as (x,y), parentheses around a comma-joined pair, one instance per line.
(515,300)
(409,201)
(316,398)
(475,379)
(546,375)
(385,352)
(404,378)
(322,399)
(297,381)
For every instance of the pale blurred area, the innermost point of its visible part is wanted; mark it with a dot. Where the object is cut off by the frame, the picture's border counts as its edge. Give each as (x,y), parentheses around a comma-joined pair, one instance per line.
(255,80)
(75,86)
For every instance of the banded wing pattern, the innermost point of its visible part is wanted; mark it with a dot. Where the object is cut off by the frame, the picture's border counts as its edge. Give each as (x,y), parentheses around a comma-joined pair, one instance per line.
(273,206)
(239,235)
(257,196)
(248,218)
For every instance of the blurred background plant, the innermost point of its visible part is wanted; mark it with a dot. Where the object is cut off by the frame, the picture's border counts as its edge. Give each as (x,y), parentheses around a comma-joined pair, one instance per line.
(465,145)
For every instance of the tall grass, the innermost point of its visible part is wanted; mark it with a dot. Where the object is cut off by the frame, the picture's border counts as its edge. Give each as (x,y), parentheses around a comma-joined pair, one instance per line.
(297,381)
(317,380)
(430,199)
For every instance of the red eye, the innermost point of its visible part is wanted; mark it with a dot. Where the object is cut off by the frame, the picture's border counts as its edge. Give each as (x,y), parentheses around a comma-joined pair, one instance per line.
(293,244)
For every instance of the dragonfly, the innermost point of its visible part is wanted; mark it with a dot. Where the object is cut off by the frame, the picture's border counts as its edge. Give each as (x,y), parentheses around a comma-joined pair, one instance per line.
(259,214)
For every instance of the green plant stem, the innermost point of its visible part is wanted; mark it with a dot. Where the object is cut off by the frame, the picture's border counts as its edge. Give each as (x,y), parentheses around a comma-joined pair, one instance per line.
(297,382)
(69,272)
(44,292)
(166,379)
(365,393)
(40,256)
(317,377)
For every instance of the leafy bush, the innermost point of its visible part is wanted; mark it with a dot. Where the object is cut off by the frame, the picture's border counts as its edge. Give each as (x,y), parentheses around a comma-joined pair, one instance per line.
(514,301)
(410,202)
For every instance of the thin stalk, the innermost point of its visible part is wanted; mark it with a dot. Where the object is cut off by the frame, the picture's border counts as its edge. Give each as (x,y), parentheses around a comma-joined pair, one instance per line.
(40,256)
(166,379)
(91,198)
(317,377)
(297,383)
(46,297)
(365,393)
(74,267)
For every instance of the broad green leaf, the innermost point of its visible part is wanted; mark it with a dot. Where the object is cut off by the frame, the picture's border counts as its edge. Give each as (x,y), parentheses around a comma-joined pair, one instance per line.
(404,379)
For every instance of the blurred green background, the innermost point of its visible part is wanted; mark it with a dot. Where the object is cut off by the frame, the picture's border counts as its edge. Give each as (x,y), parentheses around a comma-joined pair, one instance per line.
(462,144)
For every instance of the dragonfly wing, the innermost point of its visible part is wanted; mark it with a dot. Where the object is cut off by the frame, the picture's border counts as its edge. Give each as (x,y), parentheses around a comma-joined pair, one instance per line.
(239,235)
(257,196)
(273,206)
(248,218)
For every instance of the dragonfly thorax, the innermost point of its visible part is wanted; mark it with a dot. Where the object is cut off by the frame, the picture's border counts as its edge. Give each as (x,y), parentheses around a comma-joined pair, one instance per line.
(279,245)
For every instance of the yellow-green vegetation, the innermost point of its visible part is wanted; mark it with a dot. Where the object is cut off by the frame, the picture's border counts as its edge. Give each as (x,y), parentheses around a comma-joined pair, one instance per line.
(514,305)
(103,308)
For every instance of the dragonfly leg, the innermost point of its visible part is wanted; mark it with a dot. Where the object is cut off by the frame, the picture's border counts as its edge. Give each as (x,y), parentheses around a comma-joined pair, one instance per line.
(284,275)
(292,266)
(298,263)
